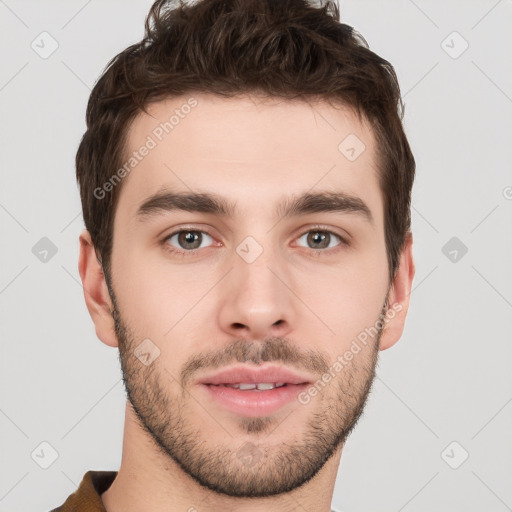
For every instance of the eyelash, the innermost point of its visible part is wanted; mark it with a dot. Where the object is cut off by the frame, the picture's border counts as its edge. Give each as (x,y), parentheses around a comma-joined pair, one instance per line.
(316,252)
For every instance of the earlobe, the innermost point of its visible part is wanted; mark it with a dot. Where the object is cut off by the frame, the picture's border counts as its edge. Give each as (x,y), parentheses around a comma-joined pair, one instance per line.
(399,298)
(96,293)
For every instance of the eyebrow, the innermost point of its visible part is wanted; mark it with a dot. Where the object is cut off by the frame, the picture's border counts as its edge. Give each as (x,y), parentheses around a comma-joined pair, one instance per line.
(202,202)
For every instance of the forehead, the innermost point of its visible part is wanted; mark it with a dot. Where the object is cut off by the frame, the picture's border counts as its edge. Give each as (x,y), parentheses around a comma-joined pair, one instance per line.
(254,150)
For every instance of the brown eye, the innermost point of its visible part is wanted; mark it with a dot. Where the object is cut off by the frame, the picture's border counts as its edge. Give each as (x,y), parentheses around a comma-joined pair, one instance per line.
(188,239)
(320,239)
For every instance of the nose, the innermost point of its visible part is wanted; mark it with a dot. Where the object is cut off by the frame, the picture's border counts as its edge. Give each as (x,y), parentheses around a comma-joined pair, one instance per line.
(256,302)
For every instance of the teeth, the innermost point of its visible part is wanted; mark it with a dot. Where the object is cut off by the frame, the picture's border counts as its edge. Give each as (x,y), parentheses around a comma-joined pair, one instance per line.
(266,386)
(244,386)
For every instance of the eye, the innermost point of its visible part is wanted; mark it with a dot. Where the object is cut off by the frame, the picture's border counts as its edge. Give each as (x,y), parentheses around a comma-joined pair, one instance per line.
(187,240)
(321,239)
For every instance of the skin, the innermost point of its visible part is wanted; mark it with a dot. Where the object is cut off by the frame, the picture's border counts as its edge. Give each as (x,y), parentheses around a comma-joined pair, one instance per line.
(296,304)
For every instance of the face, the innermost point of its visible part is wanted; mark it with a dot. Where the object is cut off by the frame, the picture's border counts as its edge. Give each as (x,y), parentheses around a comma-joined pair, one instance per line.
(259,278)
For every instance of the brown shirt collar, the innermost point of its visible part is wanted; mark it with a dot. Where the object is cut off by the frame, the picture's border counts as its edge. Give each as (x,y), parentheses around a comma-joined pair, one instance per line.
(87,498)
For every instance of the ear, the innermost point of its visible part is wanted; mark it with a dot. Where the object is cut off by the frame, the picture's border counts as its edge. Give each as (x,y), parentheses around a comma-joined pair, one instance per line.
(399,295)
(96,293)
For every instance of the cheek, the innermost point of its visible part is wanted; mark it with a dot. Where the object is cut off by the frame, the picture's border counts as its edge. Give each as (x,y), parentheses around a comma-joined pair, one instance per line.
(348,299)
(157,305)
(148,301)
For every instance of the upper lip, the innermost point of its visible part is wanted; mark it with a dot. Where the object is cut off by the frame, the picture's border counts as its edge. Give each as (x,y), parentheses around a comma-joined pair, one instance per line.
(252,375)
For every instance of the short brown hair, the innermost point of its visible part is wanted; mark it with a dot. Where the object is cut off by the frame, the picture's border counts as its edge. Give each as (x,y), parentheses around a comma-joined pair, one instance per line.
(289,49)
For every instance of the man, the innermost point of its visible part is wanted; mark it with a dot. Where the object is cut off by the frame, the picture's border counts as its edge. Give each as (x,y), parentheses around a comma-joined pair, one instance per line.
(245,182)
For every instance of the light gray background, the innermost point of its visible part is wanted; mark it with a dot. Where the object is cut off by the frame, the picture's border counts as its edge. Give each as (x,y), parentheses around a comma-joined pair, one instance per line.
(448,378)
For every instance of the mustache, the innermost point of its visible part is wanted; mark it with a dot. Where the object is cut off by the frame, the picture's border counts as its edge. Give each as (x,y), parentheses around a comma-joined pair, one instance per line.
(272,349)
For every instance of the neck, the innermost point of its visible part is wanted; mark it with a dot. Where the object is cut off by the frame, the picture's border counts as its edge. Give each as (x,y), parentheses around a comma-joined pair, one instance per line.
(149,480)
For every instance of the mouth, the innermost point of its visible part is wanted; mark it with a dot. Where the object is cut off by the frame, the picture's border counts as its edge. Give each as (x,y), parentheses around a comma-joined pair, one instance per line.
(247,386)
(254,392)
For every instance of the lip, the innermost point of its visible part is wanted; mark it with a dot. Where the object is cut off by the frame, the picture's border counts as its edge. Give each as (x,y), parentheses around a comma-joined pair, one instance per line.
(251,375)
(254,403)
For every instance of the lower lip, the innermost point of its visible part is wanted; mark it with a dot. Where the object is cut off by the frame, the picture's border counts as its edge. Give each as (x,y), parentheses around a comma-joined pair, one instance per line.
(254,403)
